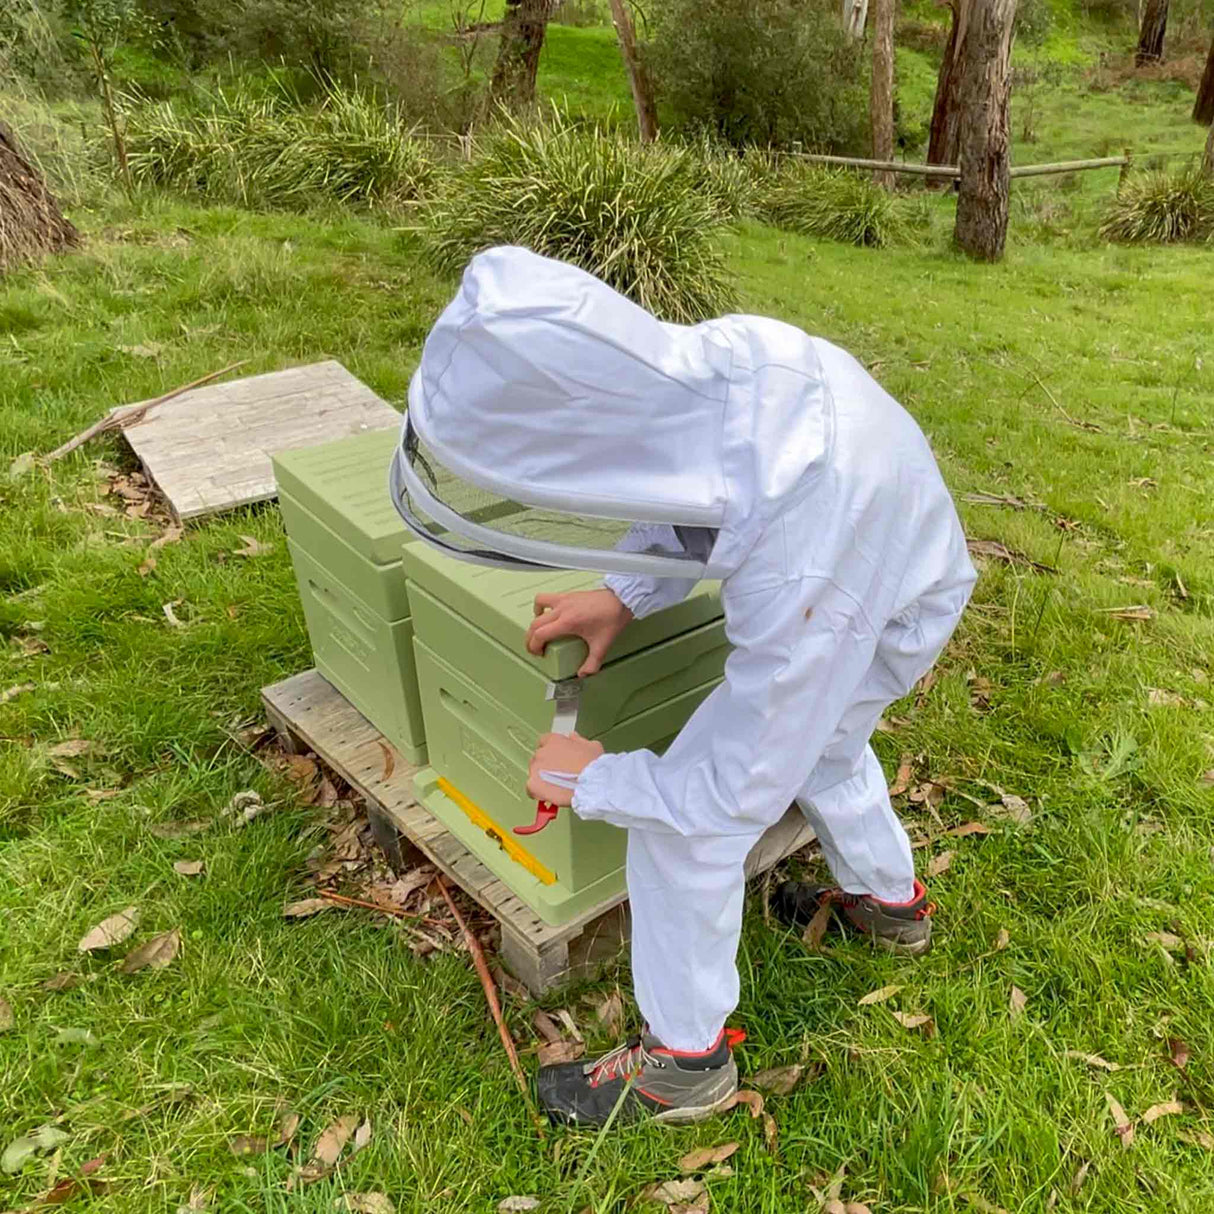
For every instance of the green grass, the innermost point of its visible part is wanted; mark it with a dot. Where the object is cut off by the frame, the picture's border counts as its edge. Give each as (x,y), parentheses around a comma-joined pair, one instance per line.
(336,1015)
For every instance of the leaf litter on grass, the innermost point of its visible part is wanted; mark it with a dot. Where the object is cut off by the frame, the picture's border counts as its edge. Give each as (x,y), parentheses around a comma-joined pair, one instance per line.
(156,953)
(111,931)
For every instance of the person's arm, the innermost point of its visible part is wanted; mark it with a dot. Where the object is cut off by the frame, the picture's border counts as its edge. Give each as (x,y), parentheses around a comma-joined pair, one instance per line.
(645,595)
(599,616)
(800,652)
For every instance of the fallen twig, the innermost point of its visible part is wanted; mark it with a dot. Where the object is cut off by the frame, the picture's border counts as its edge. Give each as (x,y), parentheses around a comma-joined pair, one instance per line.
(342,900)
(1074,421)
(495,1008)
(120,420)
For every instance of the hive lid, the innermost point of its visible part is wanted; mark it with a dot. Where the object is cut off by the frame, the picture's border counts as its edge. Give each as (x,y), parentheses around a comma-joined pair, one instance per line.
(499,601)
(345,485)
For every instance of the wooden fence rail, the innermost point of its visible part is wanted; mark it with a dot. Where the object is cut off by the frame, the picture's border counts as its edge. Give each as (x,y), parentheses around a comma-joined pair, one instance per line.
(952,172)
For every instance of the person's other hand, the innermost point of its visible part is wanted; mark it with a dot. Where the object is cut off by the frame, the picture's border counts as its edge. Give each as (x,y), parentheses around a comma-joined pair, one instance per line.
(597,616)
(566,753)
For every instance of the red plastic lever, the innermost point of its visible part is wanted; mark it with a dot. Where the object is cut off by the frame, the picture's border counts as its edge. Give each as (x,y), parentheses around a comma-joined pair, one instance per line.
(545,812)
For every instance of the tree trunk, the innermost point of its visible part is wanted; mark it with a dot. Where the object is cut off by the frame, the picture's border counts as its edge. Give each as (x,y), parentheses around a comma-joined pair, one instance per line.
(855,14)
(942,146)
(881,97)
(30,220)
(1151,31)
(638,76)
(984,141)
(1203,107)
(518,53)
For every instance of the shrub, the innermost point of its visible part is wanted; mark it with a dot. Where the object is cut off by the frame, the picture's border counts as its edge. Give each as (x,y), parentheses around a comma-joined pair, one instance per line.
(1162,207)
(635,216)
(768,73)
(837,205)
(266,151)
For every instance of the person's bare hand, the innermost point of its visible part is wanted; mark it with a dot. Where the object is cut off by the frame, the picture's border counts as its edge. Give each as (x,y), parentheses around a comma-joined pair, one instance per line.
(596,616)
(566,753)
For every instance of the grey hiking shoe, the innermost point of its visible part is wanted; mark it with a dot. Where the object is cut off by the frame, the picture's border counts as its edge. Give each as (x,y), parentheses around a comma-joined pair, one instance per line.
(900,927)
(670,1086)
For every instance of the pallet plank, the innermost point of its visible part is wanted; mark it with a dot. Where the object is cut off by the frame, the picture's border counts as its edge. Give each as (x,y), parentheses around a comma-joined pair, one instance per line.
(310,713)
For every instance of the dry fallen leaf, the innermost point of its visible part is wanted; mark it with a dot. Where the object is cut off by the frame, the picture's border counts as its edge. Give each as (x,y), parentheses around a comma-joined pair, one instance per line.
(857,1207)
(815,930)
(705,1157)
(330,1144)
(72,749)
(1160,697)
(7,1019)
(610,1014)
(362,1136)
(834,1206)
(968,828)
(252,547)
(771,1134)
(389,761)
(1002,940)
(148,349)
(170,615)
(669,1192)
(903,778)
(1165,940)
(1014,808)
(779,1080)
(177,830)
(156,953)
(73,1186)
(564,1016)
(915,1020)
(170,535)
(1140,611)
(1179,1053)
(516,1205)
(307,907)
(63,981)
(751,1099)
(560,1051)
(1198,1138)
(200,1199)
(21,1150)
(365,1203)
(938,865)
(1017,1001)
(1094,1060)
(288,1123)
(1122,1126)
(1169,1108)
(13,692)
(546,1027)
(148,565)
(188,868)
(1081,1174)
(244,807)
(111,931)
(879,996)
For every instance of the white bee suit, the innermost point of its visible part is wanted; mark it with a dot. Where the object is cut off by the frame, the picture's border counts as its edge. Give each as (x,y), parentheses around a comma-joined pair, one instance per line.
(740,449)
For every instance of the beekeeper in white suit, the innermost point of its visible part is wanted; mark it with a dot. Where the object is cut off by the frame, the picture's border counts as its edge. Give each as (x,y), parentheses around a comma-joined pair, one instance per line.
(740,449)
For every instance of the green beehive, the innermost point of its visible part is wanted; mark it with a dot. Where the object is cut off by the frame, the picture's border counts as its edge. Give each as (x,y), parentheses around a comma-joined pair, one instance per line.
(485,704)
(345,539)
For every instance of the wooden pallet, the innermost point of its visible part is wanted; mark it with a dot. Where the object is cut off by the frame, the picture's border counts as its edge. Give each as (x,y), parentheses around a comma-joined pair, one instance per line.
(310,714)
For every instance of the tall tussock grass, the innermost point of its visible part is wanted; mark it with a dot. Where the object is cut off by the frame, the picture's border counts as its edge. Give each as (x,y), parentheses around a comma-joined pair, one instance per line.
(638,217)
(1162,208)
(268,151)
(835,205)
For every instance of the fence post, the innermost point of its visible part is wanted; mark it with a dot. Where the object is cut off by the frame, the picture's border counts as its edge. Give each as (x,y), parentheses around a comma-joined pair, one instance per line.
(1125,168)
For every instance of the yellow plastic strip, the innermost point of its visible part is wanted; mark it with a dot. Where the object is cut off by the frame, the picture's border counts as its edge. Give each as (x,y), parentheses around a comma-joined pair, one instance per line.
(516,852)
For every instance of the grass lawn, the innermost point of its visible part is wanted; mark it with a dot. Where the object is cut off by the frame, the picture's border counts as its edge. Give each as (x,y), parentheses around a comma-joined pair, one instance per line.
(1070,390)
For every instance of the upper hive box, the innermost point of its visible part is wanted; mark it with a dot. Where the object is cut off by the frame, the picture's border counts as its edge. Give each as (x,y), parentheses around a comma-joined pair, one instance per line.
(484,699)
(345,539)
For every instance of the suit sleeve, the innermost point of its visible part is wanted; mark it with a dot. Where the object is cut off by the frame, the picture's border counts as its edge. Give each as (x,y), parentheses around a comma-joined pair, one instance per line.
(645,595)
(800,653)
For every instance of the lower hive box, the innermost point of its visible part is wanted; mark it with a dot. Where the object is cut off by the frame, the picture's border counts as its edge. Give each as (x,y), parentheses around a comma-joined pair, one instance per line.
(484,701)
(345,539)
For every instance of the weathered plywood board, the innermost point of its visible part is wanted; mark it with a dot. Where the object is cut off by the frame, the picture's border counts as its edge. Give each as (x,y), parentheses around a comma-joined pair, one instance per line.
(209,450)
(308,710)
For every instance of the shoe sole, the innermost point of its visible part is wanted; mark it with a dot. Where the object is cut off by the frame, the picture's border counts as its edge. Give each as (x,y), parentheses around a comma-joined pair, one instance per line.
(689,1114)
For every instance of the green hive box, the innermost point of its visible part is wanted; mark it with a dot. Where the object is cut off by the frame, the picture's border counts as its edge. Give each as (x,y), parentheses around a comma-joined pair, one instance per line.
(484,702)
(345,539)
